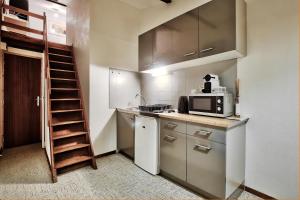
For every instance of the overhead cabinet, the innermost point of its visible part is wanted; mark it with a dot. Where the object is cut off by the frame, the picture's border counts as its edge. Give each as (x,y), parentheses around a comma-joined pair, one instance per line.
(210,33)
(217,27)
(146,50)
(176,40)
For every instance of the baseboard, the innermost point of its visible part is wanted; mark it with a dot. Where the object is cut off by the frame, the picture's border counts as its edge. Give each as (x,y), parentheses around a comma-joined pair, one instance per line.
(106,154)
(257,193)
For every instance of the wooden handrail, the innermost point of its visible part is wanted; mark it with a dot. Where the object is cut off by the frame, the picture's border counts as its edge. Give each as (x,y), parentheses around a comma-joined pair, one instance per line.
(1,14)
(23,28)
(24,12)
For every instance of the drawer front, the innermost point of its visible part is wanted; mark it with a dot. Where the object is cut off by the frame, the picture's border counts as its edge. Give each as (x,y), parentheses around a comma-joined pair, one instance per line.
(206,165)
(173,154)
(204,132)
(173,125)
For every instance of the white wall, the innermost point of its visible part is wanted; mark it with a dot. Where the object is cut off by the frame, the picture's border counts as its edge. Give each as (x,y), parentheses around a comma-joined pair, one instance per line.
(78,32)
(104,34)
(269,95)
(156,15)
(57,16)
(113,36)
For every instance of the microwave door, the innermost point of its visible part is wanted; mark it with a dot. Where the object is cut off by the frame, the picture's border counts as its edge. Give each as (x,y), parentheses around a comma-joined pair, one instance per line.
(203,104)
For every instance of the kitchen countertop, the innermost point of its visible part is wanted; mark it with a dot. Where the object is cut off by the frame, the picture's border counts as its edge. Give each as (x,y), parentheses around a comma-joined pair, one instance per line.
(224,123)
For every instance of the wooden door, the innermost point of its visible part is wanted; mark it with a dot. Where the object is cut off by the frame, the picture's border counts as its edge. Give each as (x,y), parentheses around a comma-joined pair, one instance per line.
(185,36)
(145,50)
(22,86)
(217,27)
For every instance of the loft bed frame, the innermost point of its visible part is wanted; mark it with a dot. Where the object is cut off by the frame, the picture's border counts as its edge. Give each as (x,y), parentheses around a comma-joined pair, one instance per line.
(14,31)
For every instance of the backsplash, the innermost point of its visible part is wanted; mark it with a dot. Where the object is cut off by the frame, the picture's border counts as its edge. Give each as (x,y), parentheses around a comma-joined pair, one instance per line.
(168,88)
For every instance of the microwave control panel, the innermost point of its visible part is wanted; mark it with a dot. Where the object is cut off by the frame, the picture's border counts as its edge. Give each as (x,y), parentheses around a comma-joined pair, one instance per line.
(220,103)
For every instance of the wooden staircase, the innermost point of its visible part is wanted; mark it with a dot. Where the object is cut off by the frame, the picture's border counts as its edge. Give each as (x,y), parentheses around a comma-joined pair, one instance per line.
(69,134)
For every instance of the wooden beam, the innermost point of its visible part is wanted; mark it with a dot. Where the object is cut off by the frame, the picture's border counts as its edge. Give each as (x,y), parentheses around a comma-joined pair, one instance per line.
(24,12)
(23,28)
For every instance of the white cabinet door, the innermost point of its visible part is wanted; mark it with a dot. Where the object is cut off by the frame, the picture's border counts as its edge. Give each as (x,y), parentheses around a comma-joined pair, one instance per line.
(146,144)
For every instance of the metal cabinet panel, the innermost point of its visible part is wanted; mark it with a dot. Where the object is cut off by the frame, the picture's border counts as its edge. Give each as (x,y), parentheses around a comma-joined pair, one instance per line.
(172,125)
(146,50)
(162,45)
(217,27)
(125,133)
(173,153)
(206,165)
(205,132)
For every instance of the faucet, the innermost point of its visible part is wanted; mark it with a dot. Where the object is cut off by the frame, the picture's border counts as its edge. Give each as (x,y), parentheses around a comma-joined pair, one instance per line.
(142,97)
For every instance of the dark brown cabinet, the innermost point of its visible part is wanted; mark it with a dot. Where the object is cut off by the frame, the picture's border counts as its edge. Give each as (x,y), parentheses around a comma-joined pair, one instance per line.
(176,40)
(162,53)
(185,36)
(217,27)
(146,50)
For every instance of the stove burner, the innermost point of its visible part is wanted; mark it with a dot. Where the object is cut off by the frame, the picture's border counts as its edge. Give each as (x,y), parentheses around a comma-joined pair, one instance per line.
(157,108)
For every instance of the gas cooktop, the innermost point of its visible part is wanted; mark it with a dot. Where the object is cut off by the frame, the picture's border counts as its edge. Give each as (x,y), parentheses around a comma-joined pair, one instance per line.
(155,108)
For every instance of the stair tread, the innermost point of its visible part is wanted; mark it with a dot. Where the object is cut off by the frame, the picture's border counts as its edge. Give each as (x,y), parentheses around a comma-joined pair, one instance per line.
(64,88)
(63,79)
(62,70)
(62,135)
(60,55)
(62,49)
(59,62)
(66,99)
(67,122)
(63,111)
(72,161)
(65,148)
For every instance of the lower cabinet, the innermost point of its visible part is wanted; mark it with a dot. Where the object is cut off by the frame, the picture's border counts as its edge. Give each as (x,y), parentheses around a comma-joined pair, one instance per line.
(208,160)
(173,153)
(206,165)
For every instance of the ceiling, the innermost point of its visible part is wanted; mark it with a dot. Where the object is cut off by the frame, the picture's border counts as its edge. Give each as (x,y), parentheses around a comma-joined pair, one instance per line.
(142,4)
(64,1)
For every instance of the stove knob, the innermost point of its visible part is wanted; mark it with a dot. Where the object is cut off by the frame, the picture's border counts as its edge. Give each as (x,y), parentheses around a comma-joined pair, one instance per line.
(219,101)
(219,108)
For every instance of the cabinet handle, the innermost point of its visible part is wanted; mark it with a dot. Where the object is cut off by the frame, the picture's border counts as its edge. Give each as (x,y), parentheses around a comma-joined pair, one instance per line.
(202,148)
(203,133)
(171,125)
(189,54)
(169,138)
(206,50)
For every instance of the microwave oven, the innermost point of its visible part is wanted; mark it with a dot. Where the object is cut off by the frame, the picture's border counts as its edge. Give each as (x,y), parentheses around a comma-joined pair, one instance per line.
(212,104)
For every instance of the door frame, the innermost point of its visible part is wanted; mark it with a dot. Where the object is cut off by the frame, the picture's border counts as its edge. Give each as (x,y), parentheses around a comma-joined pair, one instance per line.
(28,54)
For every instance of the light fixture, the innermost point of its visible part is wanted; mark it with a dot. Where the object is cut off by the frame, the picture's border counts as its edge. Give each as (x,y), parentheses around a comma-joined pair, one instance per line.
(158,71)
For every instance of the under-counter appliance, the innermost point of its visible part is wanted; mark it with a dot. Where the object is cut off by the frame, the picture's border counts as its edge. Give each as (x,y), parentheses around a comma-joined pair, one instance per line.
(125,133)
(146,151)
(212,104)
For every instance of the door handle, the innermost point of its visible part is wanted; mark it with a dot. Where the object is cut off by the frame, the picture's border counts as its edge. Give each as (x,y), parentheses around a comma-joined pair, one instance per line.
(202,148)
(38,98)
(171,125)
(203,133)
(206,50)
(189,54)
(169,138)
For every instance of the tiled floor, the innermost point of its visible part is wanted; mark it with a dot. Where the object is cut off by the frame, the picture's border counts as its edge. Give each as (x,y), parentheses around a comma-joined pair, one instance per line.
(24,174)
